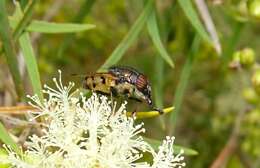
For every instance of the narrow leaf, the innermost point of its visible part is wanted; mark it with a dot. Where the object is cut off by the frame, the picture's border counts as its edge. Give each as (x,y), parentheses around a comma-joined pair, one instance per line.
(29,57)
(149,114)
(193,17)
(31,63)
(155,35)
(6,139)
(23,22)
(51,27)
(156,143)
(182,85)
(5,35)
(158,87)
(129,38)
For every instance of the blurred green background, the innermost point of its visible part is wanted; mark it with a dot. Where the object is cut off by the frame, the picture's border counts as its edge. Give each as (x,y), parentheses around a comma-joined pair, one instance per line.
(215,92)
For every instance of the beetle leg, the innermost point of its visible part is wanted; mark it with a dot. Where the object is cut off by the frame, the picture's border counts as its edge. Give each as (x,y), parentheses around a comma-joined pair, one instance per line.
(159,110)
(133,114)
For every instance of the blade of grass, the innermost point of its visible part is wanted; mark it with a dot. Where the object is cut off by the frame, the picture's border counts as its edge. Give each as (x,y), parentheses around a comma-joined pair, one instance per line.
(29,57)
(181,87)
(159,65)
(155,35)
(158,87)
(5,34)
(25,20)
(31,63)
(129,38)
(156,143)
(193,17)
(84,10)
(6,139)
(50,27)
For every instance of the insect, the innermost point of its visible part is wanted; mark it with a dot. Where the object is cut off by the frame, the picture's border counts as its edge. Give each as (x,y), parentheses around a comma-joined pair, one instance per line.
(121,81)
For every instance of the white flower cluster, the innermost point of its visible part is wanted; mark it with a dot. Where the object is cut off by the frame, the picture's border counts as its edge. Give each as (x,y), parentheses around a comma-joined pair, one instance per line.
(89,133)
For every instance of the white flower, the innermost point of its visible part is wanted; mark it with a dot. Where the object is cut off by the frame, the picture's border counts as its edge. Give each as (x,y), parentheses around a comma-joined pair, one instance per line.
(88,133)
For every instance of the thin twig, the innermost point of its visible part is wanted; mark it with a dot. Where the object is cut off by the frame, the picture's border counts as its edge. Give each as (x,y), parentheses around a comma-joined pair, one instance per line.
(13,121)
(23,109)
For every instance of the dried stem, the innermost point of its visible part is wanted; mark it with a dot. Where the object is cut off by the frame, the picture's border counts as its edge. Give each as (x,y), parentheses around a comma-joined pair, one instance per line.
(231,145)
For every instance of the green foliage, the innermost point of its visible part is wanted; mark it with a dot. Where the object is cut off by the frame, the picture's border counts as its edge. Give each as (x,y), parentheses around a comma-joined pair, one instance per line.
(48,27)
(129,38)
(193,17)
(9,50)
(155,35)
(185,75)
(5,138)
(207,91)
(24,20)
(29,57)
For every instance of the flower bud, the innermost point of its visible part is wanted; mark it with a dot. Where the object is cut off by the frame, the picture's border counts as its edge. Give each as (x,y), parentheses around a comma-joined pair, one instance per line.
(244,57)
(256,81)
(254,8)
(250,96)
(247,57)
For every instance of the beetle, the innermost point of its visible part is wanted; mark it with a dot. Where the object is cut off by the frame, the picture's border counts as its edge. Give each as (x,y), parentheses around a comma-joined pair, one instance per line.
(139,80)
(121,82)
(109,84)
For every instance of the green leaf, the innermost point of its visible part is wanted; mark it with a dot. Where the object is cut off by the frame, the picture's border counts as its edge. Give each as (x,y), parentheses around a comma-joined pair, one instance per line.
(50,27)
(191,14)
(5,138)
(182,85)
(129,38)
(31,63)
(5,35)
(29,57)
(155,35)
(156,143)
(25,19)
